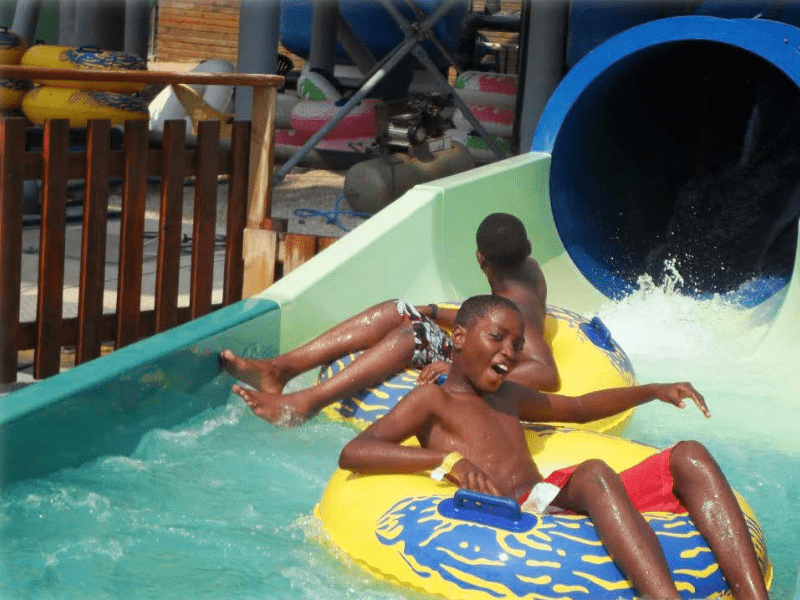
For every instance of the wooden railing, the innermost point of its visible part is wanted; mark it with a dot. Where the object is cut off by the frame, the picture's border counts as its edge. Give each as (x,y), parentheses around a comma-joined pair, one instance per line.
(247,164)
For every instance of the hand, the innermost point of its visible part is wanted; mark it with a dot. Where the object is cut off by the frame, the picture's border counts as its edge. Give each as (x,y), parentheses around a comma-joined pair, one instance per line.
(468,476)
(676,393)
(431,372)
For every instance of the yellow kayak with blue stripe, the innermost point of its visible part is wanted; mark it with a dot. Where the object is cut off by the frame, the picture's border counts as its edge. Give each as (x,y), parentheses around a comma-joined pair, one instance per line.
(85,58)
(79,106)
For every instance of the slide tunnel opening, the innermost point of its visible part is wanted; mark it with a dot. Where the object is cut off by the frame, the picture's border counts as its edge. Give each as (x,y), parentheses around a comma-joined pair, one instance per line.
(685,152)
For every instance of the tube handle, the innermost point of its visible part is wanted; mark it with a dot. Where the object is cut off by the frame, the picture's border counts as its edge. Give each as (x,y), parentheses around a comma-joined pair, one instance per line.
(494,511)
(486,504)
(599,334)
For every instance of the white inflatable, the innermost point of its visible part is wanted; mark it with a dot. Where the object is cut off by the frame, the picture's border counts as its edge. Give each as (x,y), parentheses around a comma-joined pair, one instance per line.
(166,106)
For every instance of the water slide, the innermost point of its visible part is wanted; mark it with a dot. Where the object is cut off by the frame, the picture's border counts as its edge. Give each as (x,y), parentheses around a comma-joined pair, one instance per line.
(677,140)
(583,185)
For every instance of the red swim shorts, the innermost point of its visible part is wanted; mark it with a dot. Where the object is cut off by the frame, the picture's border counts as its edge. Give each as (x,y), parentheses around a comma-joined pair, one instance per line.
(648,483)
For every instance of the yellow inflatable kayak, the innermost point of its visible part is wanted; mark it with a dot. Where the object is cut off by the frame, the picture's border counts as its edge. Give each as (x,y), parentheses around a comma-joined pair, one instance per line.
(587,356)
(12,91)
(12,47)
(86,58)
(79,106)
(412,531)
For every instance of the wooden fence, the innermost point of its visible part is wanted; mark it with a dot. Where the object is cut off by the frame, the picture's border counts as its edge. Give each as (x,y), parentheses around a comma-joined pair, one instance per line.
(55,164)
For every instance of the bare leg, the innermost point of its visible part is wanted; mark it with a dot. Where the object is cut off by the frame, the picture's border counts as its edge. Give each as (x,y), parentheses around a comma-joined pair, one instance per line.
(356,333)
(704,490)
(597,491)
(387,357)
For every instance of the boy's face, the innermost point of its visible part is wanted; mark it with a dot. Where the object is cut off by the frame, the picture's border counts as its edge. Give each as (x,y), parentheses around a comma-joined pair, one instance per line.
(489,348)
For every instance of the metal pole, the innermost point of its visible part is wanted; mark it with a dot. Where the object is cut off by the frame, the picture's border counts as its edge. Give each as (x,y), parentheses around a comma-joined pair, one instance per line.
(137,27)
(322,53)
(544,36)
(66,22)
(26,16)
(259,25)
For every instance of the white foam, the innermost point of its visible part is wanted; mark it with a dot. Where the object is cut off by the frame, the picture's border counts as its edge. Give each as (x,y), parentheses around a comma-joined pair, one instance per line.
(712,343)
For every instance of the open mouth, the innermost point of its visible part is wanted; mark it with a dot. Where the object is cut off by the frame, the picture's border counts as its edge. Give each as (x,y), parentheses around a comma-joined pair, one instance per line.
(500,368)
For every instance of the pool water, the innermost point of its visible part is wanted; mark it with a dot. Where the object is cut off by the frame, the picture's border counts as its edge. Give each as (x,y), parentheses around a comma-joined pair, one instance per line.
(220,506)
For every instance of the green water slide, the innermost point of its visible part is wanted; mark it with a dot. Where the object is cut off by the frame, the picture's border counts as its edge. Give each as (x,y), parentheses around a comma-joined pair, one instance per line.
(421,247)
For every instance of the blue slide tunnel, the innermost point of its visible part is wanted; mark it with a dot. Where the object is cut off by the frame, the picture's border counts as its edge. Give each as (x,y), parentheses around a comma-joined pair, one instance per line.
(679,140)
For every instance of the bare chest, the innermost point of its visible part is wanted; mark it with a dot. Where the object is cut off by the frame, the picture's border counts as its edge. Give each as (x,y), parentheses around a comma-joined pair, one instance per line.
(493,441)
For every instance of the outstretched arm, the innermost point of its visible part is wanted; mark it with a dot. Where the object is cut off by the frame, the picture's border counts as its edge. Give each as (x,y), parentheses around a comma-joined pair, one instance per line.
(604,403)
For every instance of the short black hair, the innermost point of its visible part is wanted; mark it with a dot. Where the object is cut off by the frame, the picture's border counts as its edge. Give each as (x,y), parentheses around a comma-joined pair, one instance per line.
(502,240)
(477,307)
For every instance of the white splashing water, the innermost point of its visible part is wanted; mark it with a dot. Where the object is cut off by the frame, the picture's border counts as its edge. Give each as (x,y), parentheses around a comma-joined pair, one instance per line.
(754,402)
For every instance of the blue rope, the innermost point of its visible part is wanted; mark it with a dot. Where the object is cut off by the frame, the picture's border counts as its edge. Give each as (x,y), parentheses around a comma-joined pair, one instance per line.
(331,216)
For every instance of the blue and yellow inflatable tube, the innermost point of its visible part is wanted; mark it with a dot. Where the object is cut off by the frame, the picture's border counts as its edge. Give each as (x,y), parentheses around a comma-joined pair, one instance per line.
(587,356)
(79,106)
(86,58)
(12,47)
(413,531)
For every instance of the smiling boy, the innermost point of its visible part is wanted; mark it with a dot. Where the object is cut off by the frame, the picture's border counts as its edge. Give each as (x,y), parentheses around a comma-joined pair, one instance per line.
(469,430)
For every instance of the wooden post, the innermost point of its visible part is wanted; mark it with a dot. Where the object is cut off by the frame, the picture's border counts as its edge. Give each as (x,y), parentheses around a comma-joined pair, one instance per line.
(169,225)
(52,247)
(298,248)
(12,162)
(260,246)
(93,242)
(205,218)
(238,180)
(131,239)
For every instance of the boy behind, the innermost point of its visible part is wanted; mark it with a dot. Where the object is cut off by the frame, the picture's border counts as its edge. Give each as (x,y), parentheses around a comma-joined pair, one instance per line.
(394,335)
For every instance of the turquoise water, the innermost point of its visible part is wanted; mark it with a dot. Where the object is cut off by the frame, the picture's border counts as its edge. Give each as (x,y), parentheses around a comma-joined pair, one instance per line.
(220,506)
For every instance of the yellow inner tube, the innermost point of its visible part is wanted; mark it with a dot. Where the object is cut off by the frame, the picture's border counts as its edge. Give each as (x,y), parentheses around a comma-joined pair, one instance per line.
(395,527)
(45,102)
(85,58)
(584,366)
(12,91)
(12,47)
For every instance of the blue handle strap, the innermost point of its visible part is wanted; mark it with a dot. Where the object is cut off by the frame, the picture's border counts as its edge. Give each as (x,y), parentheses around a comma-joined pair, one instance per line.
(599,334)
(494,511)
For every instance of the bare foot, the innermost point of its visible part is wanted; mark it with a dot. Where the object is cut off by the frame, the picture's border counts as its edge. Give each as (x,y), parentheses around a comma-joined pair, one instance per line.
(261,373)
(271,407)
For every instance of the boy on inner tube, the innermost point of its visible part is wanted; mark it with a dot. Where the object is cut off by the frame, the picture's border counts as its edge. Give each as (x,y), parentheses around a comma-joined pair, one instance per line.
(395,336)
(469,431)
